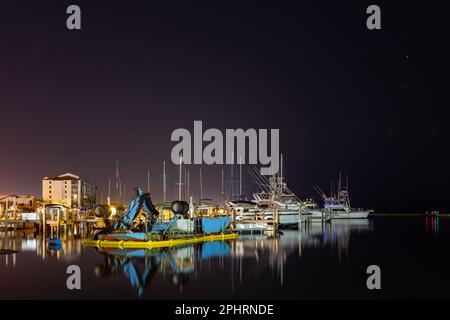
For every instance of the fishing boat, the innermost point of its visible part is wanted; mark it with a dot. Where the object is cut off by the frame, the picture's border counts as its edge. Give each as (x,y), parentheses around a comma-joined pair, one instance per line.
(338,203)
(340,208)
(246,209)
(311,210)
(274,194)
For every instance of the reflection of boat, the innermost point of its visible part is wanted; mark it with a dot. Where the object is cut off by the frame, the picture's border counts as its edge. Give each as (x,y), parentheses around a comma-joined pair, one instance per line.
(336,234)
(263,253)
(141,266)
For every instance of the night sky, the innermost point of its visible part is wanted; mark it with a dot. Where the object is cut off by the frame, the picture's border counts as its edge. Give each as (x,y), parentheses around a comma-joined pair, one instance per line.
(372,104)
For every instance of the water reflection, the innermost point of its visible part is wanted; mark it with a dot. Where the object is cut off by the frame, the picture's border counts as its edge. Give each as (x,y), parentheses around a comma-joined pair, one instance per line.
(140,266)
(432,224)
(275,251)
(235,263)
(28,240)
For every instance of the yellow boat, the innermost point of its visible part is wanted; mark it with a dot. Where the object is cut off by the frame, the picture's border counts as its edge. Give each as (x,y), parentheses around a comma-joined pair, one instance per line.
(123,244)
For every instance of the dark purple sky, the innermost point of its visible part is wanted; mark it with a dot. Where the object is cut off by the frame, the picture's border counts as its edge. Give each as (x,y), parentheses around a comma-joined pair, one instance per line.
(368,103)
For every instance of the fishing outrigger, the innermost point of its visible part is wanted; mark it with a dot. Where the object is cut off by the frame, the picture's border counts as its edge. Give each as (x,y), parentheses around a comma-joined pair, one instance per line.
(140,226)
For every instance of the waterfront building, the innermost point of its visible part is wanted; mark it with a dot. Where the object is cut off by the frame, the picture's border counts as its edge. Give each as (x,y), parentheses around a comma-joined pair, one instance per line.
(70,190)
(22,202)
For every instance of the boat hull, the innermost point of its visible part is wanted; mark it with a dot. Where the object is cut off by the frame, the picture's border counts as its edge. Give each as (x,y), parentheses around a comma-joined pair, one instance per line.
(351,215)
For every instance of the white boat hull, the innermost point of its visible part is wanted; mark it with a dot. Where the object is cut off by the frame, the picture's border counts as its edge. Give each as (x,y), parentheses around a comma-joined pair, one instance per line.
(351,215)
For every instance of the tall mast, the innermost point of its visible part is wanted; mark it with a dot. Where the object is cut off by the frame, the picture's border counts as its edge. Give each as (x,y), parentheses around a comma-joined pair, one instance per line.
(109,191)
(117,181)
(240,177)
(148,181)
(164,183)
(339,182)
(120,192)
(179,179)
(281,167)
(201,187)
(223,192)
(185,185)
(188,186)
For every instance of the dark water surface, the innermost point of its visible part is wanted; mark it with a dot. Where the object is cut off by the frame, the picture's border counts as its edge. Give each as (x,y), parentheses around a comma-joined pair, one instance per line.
(319,262)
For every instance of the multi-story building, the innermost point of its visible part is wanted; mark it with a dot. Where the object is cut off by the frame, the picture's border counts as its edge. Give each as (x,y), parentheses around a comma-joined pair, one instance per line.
(70,190)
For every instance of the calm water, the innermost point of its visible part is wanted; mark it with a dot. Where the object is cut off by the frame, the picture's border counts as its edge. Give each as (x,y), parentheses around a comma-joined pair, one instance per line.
(320,262)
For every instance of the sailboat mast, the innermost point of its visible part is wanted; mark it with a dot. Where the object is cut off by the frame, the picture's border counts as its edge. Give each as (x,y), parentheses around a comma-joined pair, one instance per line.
(223,192)
(179,179)
(339,182)
(188,186)
(109,191)
(117,181)
(280,185)
(164,183)
(201,186)
(185,185)
(240,177)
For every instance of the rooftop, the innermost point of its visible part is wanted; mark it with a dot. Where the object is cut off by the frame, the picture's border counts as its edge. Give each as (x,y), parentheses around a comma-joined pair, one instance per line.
(65,176)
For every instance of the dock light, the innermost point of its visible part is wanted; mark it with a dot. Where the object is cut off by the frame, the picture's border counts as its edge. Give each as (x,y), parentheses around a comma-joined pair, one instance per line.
(113,211)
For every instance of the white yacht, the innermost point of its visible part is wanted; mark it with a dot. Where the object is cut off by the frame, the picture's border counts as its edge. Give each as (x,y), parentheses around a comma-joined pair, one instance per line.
(311,210)
(274,194)
(339,207)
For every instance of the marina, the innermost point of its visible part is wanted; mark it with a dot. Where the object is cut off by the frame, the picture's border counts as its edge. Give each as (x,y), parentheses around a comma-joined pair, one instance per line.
(287,266)
(223,156)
